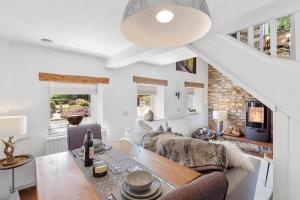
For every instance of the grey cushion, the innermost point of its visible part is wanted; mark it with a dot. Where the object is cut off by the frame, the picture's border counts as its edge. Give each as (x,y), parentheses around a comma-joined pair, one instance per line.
(76,134)
(208,187)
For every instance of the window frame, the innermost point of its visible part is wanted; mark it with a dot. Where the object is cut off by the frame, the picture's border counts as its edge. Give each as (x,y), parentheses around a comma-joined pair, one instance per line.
(152,107)
(93,106)
(196,100)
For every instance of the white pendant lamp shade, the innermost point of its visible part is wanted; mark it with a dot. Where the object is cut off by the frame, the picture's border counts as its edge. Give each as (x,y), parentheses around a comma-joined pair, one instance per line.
(165,23)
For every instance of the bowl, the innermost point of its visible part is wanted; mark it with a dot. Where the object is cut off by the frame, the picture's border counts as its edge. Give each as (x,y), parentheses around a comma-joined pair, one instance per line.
(139,180)
(74,119)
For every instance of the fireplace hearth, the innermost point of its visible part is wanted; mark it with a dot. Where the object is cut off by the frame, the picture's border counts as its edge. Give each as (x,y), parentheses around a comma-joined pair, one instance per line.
(258,121)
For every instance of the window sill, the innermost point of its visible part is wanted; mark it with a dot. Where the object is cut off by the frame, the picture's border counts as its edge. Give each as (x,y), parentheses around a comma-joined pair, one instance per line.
(155,119)
(191,114)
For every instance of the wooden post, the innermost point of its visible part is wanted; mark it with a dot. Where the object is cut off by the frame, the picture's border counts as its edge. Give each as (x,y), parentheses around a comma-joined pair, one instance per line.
(238,36)
(273,37)
(281,136)
(295,39)
(261,37)
(251,36)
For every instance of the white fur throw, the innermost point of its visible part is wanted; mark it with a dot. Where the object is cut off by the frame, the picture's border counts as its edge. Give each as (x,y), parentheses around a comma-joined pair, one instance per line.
(235,157)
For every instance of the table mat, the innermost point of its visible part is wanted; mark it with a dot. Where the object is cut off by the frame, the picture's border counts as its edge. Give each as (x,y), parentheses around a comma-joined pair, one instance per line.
(111,183)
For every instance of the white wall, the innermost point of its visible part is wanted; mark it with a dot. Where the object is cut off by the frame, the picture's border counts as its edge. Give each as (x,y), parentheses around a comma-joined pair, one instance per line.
(275,82)
(295,40)
(21,93)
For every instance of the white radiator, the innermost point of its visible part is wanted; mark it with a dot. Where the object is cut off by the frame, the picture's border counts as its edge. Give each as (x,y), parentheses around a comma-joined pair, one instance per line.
(56,144)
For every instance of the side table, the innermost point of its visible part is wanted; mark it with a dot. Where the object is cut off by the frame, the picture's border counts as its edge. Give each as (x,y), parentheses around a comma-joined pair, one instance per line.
(23,159)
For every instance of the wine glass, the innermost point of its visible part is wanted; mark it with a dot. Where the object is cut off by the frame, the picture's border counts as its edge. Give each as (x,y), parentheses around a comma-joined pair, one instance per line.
(137,139)
(140,144)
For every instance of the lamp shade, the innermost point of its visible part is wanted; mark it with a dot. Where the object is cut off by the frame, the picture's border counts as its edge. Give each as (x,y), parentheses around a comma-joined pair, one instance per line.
(13,126)
(165,23)
(220,115)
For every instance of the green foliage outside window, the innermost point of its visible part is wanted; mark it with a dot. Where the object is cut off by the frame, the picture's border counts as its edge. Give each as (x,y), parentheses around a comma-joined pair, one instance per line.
(283,23)
(65,98)
(144,100)
(52,106)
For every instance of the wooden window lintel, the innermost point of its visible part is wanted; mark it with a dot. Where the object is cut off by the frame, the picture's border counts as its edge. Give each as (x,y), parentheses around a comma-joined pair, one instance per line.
(151,81)
(72,78)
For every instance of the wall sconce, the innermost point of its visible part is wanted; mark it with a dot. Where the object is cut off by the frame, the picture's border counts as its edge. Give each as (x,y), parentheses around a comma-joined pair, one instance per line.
(177,94)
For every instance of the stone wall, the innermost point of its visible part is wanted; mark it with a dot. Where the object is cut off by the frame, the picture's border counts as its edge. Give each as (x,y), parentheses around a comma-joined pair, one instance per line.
(223,94)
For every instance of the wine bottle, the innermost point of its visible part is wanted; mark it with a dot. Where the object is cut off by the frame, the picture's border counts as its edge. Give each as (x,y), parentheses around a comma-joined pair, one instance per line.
(88,149)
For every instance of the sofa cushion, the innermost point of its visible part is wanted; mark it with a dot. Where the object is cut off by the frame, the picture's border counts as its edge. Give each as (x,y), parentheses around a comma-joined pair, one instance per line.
(156,124)
(181,126)
(236,158)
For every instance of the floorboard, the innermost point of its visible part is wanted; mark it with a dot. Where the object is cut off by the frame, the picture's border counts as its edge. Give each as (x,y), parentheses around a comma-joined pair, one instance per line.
(28,194)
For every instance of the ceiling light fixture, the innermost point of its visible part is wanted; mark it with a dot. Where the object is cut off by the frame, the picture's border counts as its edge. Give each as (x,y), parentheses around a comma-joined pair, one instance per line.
(46,40)
(165,23)
(164,16)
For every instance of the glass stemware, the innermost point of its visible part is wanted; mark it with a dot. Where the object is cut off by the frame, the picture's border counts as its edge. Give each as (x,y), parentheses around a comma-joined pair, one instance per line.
(140,144)
(137,139)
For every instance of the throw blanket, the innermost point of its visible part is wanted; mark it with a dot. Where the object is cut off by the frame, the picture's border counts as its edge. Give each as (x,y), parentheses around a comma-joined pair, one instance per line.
(196,154)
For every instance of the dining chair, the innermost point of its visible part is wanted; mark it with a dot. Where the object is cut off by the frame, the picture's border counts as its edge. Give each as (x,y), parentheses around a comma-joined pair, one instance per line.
(212,186)
(76,134)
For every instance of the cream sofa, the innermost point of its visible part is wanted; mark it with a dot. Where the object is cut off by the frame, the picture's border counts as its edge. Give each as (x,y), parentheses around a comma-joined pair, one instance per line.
(185,126)
(242,183)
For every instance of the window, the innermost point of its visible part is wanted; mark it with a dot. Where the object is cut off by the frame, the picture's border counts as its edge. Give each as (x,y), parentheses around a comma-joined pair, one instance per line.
(194,100)
(190,99)
(145,99)
(244,36)
(257,37)
(283,36)
(266,46)
(67,100)
(144,103)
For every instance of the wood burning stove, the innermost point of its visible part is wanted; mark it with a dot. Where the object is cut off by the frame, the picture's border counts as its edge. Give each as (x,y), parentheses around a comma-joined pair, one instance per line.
(258,121)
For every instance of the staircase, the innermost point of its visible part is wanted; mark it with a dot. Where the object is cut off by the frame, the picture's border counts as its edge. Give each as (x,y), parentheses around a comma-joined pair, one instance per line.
(272,80)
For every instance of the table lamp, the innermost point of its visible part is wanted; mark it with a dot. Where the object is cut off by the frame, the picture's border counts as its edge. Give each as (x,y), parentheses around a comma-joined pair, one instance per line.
(11,126)
(220,116)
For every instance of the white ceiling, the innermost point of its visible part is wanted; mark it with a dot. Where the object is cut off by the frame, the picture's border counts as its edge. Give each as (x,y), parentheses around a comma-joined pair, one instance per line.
(93,26)
(86,26)
(89,26)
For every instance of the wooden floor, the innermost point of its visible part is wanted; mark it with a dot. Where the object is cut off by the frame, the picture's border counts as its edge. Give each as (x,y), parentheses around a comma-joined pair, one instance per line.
(28,194)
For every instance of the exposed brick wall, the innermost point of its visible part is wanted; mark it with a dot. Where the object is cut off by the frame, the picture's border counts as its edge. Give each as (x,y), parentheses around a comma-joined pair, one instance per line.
(223,94)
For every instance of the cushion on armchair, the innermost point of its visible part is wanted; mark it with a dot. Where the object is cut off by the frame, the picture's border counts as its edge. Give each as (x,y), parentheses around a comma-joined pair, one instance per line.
(208,187)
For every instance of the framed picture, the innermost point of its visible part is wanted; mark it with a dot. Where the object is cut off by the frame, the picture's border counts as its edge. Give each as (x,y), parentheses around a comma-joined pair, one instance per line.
(188,65)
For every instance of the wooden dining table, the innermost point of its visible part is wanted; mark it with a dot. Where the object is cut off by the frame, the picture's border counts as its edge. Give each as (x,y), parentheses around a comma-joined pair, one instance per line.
(59,177)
